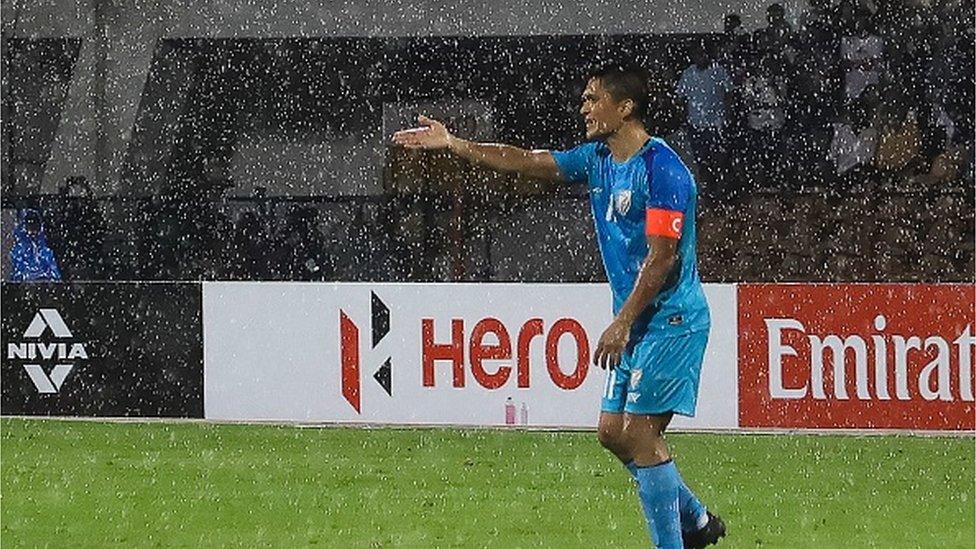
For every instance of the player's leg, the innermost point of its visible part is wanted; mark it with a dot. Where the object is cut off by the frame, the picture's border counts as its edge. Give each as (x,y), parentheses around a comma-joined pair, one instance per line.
(610,428)
(658,484)
(611,424)
(610,431)
(644,438)
(647,443)
(664,380)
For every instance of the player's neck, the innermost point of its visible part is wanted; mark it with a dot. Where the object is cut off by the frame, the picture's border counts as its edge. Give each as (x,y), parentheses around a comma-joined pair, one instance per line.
(625,142)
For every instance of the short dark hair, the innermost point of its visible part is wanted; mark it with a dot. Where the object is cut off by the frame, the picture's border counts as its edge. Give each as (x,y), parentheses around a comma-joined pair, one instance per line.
(625,82)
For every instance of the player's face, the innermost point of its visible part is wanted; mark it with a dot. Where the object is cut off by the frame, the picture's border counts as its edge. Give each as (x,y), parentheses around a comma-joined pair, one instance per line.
(601,113)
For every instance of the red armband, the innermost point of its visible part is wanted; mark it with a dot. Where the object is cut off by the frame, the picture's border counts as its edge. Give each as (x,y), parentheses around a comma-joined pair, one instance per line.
(661,222)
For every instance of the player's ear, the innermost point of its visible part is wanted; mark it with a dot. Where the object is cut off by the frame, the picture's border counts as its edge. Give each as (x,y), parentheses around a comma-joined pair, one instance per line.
(627,107)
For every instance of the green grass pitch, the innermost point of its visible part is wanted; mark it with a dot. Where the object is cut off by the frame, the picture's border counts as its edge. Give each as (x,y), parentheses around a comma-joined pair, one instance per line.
(70,483)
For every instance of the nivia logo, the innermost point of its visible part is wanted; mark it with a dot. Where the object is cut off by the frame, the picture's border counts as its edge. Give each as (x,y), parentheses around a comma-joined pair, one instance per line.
(47,320)
(349,351)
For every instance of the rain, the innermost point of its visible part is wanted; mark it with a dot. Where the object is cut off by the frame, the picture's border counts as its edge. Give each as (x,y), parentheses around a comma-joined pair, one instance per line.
(240,308)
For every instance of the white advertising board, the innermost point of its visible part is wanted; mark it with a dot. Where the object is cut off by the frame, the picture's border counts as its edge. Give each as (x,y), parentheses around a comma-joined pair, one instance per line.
(431,354)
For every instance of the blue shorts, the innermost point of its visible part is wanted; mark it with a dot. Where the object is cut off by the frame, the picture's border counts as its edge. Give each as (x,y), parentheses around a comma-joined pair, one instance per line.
(656,376)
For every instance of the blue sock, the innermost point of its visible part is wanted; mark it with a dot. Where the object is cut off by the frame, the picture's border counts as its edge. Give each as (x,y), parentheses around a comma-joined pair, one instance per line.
(693,515)
(657,487)
(691,509)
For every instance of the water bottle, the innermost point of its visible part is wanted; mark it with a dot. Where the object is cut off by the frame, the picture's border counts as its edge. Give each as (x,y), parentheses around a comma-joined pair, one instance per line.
(524,419)
(509,411)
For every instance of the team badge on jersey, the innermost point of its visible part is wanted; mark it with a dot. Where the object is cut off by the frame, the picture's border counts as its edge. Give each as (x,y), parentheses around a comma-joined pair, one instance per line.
(635,377)
(622,201)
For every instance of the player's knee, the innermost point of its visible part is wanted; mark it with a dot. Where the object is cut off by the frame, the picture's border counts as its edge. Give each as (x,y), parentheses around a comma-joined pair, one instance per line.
(640,433)
(609,437)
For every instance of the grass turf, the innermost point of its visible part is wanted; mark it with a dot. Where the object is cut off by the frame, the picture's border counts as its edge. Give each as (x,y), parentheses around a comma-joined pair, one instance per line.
(68,483)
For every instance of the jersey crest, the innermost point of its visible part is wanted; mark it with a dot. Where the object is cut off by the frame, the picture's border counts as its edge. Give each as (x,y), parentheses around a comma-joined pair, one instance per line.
(622,201)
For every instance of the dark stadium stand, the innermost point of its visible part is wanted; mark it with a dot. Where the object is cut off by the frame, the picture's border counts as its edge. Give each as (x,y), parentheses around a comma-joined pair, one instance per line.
(268,158)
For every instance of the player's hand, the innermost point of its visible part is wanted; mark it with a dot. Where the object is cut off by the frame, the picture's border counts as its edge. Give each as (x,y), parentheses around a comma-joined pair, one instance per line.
(612,343)
(430,135)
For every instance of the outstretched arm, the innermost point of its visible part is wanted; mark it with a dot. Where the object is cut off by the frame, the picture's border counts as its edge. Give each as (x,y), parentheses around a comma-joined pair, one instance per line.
(433,135)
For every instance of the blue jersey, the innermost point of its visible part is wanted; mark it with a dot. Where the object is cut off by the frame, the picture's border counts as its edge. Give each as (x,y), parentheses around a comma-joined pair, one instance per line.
(653,192)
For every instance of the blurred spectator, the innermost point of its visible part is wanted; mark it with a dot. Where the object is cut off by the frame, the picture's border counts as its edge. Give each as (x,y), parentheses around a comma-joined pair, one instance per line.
(811,106)
(249,259)
(764,99)
(733,33)
(899,138)
(910,45)
(845,17)
(704,85)
(416,236)
(777,37)
(732,26)
(31,259)
(861,52)
(733,48)
(817,42)
(946,167)
(78,231)
(957,93)
(818,20)
(160,233)
(299,248)
(909,53)
(855,138)
(360,246)
(204,230)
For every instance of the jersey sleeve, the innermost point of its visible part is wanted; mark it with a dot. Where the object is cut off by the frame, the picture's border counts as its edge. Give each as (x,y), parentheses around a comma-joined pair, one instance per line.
(574,164)
(668,196)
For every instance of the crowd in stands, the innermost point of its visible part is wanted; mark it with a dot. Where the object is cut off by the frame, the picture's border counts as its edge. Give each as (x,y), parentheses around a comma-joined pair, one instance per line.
(838,148)
(798,236)
(854,95)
